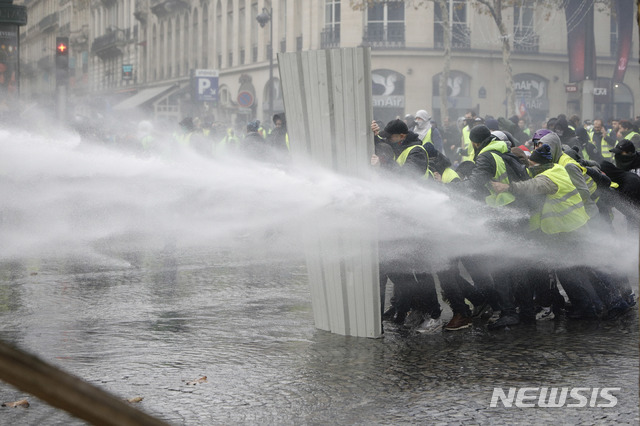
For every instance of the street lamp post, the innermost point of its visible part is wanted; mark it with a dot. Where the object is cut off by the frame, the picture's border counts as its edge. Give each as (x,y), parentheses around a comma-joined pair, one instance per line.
(263,18)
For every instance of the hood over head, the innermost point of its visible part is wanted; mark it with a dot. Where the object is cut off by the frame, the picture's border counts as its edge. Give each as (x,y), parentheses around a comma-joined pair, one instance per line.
(422,127)
(553,140)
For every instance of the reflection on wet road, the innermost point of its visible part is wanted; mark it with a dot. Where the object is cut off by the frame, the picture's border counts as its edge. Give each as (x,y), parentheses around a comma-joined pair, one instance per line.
(145,324)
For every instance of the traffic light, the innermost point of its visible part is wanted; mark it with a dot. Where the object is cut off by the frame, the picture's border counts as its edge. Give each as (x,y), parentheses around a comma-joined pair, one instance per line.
(62,61)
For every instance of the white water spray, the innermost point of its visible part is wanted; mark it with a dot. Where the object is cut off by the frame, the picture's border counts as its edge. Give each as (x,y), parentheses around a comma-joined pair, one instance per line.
(62,196)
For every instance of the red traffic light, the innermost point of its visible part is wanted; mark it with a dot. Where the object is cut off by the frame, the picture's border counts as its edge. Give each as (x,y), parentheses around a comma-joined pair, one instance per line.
(62,46)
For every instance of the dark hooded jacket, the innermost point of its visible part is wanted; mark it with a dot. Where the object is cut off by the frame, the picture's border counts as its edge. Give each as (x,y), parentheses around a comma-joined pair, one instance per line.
(485,168)
(253,146)
(277,139)
(417,161)
(567,135)
(628,202)
(628,163)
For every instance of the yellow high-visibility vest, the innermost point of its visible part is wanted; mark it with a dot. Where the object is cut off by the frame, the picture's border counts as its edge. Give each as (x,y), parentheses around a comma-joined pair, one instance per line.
(402,158)
(562,211)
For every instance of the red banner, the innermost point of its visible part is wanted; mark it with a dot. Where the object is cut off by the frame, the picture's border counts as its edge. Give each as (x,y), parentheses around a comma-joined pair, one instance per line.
(580,40)
(624,19)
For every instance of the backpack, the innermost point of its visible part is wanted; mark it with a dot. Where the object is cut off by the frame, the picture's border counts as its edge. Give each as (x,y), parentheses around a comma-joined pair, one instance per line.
(516,171)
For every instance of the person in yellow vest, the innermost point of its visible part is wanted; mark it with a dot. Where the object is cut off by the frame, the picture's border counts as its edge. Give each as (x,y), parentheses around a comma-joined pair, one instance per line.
(426,132)
(145,136)
(411,156)
(563,209)
(466,149)
(183,136)
(440,166)
(583,183)
(524,128)
(560,216)
(600,143)
(414,289)
(491,156)
(227,144)
(628,132)
(278,139)
(495,162)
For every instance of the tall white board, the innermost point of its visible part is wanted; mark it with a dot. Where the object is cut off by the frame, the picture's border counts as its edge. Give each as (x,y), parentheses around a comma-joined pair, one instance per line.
(328,104)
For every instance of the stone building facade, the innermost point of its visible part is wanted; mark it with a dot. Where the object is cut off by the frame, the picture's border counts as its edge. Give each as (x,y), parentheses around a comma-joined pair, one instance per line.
(143,55)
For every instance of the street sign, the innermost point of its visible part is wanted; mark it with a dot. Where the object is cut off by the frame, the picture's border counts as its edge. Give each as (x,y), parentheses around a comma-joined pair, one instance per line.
(245,99)
(206,85)
(570,88)
(600,91)
(127,72)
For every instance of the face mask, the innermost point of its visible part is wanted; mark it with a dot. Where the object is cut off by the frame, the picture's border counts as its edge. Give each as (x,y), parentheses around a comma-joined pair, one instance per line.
(624,161)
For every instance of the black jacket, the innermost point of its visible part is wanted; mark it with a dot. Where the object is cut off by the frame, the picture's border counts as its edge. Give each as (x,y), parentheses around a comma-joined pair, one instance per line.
(417,161)
(485,168)
(628,190)
(628,163)
(253,146)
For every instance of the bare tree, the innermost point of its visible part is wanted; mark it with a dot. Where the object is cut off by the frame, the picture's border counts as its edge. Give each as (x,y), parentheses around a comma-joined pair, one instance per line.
(495,8)
(444,75)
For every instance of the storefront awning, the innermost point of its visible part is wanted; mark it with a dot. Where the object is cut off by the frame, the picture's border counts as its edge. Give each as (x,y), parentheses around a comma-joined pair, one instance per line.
(142,97)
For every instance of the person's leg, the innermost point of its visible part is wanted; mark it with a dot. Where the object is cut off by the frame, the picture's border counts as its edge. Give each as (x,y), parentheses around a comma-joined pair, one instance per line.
(504,289)
(452,292)
(482,279)
(585,302)
(401,294)
(426,297)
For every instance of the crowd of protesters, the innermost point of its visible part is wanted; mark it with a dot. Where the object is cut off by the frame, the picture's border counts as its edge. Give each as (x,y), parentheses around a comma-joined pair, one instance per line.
(564,178)
(204,135)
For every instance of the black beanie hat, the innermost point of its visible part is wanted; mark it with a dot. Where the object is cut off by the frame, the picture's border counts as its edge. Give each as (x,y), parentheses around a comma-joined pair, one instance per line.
(479,133)
(542,155)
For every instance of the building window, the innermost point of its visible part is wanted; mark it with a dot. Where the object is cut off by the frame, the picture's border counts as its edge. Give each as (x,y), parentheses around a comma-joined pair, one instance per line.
(613,35)
(385,25)
(460,35)
(525,39)
(331,32)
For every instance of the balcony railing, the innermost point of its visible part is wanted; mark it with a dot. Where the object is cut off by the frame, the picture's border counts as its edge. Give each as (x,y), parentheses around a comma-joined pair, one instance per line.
(141,10)
(526,42)
(388,36)
(110,44)
(330,37)
(162,8)
(48,22)
(460,36)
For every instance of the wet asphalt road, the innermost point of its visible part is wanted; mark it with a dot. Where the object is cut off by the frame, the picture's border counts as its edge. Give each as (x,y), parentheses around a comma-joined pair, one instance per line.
(145,324)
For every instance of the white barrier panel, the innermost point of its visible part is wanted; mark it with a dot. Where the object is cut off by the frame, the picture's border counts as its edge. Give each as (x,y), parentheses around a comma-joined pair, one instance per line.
(327,98)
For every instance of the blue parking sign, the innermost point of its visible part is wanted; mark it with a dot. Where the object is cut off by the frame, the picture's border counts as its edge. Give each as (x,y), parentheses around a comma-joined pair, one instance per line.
(206,85)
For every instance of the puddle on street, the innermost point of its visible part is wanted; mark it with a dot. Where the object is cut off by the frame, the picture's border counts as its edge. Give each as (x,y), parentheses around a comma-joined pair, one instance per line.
(145,324)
